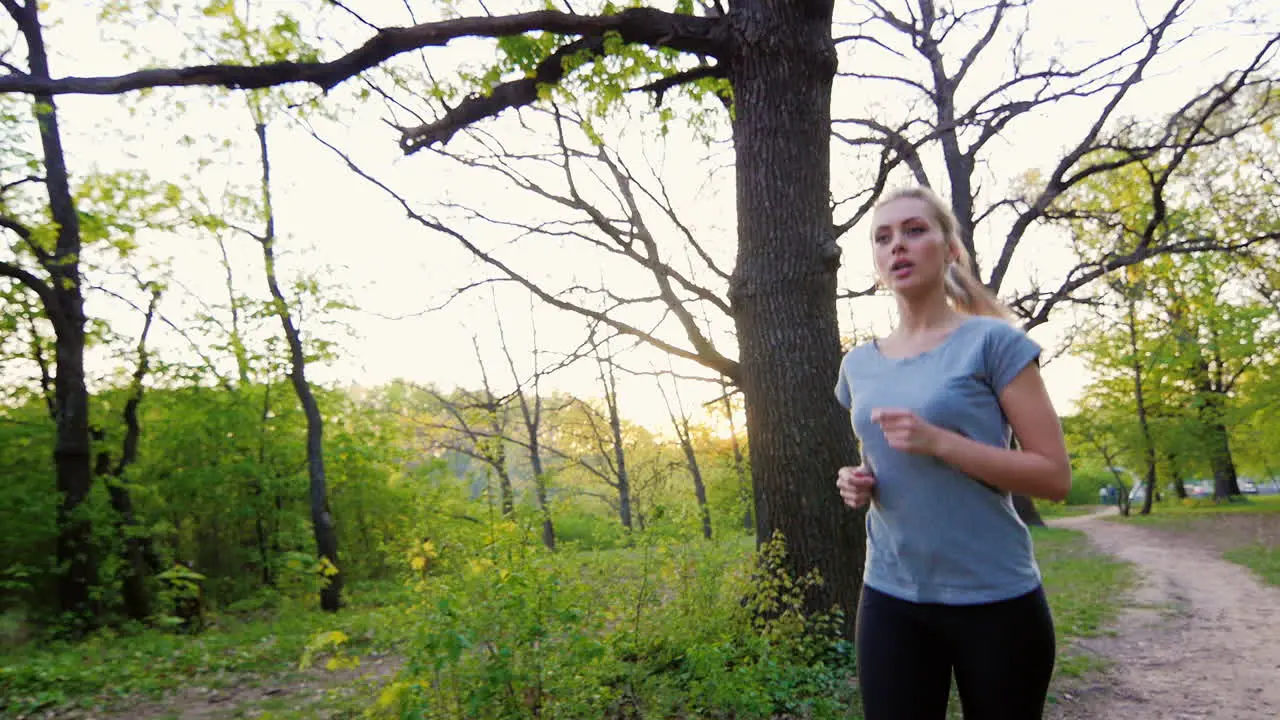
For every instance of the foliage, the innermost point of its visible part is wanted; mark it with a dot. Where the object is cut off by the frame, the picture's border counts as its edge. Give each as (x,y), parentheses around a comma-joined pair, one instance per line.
(133,664)
(655,629)
(505,628)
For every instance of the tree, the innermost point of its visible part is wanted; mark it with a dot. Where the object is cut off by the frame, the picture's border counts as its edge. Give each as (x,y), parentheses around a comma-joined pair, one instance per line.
(531,407)
(56,246)
(684,435)
(140,557)
(779,60)
(322,522)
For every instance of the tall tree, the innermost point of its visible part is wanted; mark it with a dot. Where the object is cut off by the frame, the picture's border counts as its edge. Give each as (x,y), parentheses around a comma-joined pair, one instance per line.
(779,60)
(140,559)
(56,248)
(323,526)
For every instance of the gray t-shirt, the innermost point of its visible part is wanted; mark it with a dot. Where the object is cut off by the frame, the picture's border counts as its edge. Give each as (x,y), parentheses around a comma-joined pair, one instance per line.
(935,534)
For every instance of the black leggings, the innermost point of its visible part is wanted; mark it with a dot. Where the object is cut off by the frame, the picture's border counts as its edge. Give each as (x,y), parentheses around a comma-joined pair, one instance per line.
(1002,654)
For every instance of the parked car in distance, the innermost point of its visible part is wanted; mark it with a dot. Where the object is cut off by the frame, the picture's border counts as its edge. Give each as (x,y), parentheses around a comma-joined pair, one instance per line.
(1247,486)
(1199,488)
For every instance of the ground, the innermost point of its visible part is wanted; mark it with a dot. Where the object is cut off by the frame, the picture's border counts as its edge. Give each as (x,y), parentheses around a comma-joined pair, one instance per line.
(1199,637)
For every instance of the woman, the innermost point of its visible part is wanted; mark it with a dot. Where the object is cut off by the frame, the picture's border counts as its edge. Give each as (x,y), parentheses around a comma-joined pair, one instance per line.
(951,583)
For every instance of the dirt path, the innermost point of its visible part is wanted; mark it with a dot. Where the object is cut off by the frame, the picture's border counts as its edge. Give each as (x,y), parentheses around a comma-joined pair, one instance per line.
(1199,639)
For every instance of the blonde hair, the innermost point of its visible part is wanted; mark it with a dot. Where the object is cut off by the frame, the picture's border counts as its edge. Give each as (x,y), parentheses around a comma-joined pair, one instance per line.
(965,291)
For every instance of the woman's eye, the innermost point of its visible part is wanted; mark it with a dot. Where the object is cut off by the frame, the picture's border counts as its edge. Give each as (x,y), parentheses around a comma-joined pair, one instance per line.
(881,239)
(915,230)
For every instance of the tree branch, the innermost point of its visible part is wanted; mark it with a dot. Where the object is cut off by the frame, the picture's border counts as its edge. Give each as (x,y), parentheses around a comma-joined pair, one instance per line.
(716,362)
(645,26)
(35,284)
(508,95)
(660,86)
(1057,183)
(1089,272)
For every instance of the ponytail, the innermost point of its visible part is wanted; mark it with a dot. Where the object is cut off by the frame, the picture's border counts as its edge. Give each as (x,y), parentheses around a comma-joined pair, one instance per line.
(965,291)
(968,294)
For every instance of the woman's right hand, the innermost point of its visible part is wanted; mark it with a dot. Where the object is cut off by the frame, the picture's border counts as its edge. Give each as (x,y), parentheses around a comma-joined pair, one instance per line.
(856,485)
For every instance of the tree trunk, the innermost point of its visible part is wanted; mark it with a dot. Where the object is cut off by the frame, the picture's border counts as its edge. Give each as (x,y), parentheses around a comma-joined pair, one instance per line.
(739,463)
(64,306)
(139,554)
(783,292)
(1175,471)
(540,488)
(1026,509)
(695,472)
(321,518)
(506,492)
(1148,443)
(1225,481)
(610,385)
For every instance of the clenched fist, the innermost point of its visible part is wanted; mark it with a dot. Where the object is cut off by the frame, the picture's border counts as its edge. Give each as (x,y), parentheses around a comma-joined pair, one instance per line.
(856,485)
(906,431)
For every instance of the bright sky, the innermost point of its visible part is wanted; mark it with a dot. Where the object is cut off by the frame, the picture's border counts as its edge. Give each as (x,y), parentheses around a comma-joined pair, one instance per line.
(339,227)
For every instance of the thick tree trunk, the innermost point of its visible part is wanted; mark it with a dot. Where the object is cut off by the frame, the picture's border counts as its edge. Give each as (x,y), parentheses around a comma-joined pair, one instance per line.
(783,292)
(1225,481)
(321,518)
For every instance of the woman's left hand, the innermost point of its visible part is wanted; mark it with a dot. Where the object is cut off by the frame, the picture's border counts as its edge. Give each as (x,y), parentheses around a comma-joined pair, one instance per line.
(906,431)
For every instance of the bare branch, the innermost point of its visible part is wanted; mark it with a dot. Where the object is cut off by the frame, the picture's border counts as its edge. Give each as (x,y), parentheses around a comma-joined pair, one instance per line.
(15,10)
(970,57)
(359,18)
(11,185)
(1057,184)
(1082,275)
(717,362)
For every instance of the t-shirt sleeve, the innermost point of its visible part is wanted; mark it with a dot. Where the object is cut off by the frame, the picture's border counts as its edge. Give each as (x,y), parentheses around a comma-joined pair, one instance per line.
(843,394)
(1008,352)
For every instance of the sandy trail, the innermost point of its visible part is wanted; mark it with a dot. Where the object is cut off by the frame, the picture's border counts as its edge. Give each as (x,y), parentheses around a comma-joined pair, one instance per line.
(1200,637)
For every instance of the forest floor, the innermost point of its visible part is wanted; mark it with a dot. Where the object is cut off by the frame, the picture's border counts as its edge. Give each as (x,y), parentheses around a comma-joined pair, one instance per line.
(1196,635)
(1199,636)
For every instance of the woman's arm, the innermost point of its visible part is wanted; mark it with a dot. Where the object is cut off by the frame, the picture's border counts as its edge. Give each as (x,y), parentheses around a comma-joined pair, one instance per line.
(1040,469)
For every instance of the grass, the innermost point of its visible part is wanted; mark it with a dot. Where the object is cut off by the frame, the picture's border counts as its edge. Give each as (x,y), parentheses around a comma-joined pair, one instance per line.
(1052,509)
(1262,559)
(118,671)
(1084,589)
(1257,551)
(115,668)
(1178,514)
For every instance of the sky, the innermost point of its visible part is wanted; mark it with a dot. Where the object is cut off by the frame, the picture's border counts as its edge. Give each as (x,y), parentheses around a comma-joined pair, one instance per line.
(358,243)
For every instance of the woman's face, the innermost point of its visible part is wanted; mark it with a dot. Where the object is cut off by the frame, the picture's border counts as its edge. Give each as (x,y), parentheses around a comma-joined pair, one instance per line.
(911,252)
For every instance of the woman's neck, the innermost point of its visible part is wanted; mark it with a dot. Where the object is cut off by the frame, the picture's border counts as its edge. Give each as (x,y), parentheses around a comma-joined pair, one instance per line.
(922,315)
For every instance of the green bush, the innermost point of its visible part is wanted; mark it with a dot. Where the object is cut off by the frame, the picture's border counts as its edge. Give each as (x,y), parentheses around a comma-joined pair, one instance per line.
(685,630)
(1085,484)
